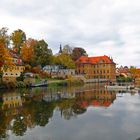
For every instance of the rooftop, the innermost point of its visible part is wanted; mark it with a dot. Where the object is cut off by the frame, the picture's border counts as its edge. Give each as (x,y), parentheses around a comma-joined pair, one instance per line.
(96,59)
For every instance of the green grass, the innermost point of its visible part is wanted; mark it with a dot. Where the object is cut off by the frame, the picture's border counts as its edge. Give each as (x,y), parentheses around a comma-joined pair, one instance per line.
(56,83)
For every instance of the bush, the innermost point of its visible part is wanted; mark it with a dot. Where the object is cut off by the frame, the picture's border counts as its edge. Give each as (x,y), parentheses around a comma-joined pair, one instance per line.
(36,77)
(124,79)
(36,70)
(21,78)
(27,68)
(72,81)
(20,84)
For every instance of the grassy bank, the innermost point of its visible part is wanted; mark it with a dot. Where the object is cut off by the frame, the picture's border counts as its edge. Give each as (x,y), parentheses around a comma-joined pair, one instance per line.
(56,83)
(67,82)
(51,83)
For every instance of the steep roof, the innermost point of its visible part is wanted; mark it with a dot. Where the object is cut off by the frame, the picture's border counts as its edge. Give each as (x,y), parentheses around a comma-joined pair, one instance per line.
(13,54)
(94,60)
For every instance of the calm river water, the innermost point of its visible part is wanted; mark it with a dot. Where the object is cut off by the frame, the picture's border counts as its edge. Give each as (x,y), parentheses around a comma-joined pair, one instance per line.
(88,112)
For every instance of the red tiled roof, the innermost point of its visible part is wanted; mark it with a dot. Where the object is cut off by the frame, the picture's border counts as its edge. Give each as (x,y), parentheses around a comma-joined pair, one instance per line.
(94,60)
(14,54)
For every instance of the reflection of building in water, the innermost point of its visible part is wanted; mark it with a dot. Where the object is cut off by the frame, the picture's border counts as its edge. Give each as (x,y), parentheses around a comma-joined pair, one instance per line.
(96,97)
(58,96)
(11,100)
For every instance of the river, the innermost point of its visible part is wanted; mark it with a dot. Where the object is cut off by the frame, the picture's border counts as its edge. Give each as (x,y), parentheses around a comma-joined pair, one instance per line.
(87,112)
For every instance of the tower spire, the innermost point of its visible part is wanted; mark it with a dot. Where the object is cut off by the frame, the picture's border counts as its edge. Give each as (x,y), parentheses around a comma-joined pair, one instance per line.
(60,49)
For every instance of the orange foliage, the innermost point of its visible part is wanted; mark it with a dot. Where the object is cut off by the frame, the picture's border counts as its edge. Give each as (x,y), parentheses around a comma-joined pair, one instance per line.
(27,50)
(36,70)
(5,58)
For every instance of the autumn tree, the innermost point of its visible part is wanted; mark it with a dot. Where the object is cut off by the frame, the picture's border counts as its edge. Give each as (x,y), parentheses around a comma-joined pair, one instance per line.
(64,60)
(27,50)
(77,53)
(18,37)
(133,72)
(5,58)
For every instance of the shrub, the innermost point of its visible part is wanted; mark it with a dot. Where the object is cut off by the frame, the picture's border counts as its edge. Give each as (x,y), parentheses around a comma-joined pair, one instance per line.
(72,81)
(36,70)
(27,68)
(21,78)
(20,84)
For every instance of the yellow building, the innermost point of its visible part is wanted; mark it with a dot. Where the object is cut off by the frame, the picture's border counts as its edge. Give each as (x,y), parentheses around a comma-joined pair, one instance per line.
(11,73)
(101,68)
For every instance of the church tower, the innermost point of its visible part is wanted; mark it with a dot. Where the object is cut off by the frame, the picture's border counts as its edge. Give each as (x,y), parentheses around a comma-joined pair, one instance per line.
(60,49)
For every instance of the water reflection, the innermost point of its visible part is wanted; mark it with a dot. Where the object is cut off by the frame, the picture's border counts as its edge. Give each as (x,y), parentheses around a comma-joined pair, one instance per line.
(26,109)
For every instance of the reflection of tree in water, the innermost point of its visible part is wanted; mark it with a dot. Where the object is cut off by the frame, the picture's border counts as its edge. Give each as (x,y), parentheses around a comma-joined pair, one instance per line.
(43,111)
(69,108)
(37,111)
(34,113)
(77,109)
(3,126)
(19,127)
(65,106)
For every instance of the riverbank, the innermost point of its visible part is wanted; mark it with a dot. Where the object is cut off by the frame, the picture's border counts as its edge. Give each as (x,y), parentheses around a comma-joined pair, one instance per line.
(41,83)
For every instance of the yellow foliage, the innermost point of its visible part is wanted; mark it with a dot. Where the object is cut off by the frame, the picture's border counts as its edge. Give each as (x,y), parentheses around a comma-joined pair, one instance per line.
(27,50)
(5,58)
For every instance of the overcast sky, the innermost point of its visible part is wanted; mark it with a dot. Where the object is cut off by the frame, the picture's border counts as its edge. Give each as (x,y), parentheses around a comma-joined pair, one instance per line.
(101,27)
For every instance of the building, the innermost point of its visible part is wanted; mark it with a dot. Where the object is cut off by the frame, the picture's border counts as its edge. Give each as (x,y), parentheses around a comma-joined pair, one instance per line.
(123,71)
(58,71)
(101,68)
(11,73)
(52,68)
(98,97)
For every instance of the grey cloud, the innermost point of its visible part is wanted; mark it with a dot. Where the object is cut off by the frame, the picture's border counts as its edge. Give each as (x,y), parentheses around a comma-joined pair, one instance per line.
(108,27)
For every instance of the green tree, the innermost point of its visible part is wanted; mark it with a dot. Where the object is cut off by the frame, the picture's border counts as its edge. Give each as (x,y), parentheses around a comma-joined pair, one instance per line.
(42,55)
(4,37)
(18,37)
